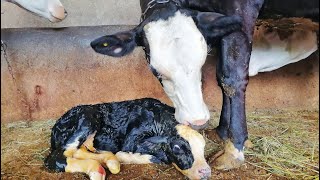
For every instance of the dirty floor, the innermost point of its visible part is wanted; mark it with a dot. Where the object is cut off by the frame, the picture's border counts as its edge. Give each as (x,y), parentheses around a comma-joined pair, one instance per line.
(285,145)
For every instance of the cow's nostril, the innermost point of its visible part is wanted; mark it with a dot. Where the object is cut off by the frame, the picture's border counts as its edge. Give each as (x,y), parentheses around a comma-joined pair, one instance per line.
(65,13)
(199,127)
(199,122)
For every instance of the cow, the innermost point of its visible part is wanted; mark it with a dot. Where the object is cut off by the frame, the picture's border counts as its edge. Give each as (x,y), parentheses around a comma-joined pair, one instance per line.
(233,65)
(288,46)
(52,10)
(137,131)
(174,39)
(176,34)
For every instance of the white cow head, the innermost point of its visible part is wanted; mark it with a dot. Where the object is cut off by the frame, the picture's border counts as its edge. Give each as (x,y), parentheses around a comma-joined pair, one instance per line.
(53,10)
(176,48)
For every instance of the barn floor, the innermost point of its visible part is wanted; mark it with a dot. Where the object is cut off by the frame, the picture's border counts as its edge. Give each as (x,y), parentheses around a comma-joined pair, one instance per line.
(285,146)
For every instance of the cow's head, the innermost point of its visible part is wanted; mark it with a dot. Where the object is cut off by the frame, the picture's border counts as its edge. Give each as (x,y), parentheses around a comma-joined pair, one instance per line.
(177,50)
(53,10)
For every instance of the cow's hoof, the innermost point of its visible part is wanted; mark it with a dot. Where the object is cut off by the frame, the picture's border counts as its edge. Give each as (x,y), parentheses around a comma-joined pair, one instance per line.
(229,158)
(213,135)
(227,161)
(248,144)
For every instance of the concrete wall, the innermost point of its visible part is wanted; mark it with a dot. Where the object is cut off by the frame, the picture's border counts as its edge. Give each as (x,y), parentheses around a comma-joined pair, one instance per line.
(55,69)
(80,13)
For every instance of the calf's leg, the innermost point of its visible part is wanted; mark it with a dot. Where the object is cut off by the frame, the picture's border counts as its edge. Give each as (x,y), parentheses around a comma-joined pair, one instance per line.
(59,162)
(134,158)
(89,166)
(105,158)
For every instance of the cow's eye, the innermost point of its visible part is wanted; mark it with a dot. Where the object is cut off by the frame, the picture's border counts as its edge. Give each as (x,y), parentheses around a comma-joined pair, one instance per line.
(176,149)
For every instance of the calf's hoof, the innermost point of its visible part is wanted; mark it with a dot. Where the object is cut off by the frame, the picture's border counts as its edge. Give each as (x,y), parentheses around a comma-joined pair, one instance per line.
(113,166)
(98,175)
(229,158)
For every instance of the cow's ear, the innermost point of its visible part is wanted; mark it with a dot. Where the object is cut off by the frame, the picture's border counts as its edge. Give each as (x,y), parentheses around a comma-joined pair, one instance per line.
(116,45)
(215,25)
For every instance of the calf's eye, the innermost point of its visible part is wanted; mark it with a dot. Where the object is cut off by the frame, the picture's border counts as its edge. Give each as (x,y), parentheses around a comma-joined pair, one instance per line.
(105,44)
(176,149)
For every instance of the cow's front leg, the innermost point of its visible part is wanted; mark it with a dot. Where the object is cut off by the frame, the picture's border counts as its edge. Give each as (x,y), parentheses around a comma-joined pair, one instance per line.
(222,129)
(232,75)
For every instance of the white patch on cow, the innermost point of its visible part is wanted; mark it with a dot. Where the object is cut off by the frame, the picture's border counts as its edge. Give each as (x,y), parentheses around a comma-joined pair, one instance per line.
(230,149)
(53,10)
(118,50)
(178,51)
(133,158)
(269,52)
(197,144)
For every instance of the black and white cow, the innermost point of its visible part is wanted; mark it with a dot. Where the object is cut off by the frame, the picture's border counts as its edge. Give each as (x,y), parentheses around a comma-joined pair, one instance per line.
(233,70)
(175,36)
(174,39)
(138,131)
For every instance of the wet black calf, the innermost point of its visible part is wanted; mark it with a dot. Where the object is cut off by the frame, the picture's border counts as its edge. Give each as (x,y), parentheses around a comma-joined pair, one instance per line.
(137,131)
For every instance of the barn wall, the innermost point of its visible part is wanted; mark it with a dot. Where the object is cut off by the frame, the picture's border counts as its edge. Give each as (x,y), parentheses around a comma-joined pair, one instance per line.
(55,69)
(80,13)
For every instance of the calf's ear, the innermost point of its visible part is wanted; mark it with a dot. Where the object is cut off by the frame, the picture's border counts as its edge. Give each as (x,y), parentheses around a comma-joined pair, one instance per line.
(151,144)
(116,45)
(157,139)
(215,25)
(154,146)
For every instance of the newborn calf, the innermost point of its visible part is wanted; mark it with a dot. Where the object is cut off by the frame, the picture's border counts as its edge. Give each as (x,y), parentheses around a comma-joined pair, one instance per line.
(138,131)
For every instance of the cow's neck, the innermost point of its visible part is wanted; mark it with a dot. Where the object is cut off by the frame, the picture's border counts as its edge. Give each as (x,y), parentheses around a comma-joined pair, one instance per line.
(159,9)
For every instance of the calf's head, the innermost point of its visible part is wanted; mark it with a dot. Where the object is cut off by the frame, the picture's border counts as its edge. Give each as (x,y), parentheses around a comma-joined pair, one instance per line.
(184,148)
(53,10)
(199,168)
(176,48)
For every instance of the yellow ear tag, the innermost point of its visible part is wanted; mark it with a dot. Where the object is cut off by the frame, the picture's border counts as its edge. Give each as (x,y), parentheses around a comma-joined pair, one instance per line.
(105,44)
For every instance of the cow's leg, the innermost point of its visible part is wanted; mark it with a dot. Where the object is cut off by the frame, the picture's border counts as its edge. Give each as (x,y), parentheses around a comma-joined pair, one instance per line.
(222,129)
(89,166)
(105,158)
(232,75)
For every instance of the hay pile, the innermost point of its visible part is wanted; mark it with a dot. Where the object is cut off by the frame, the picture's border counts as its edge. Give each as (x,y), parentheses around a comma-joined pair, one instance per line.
(285,145)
